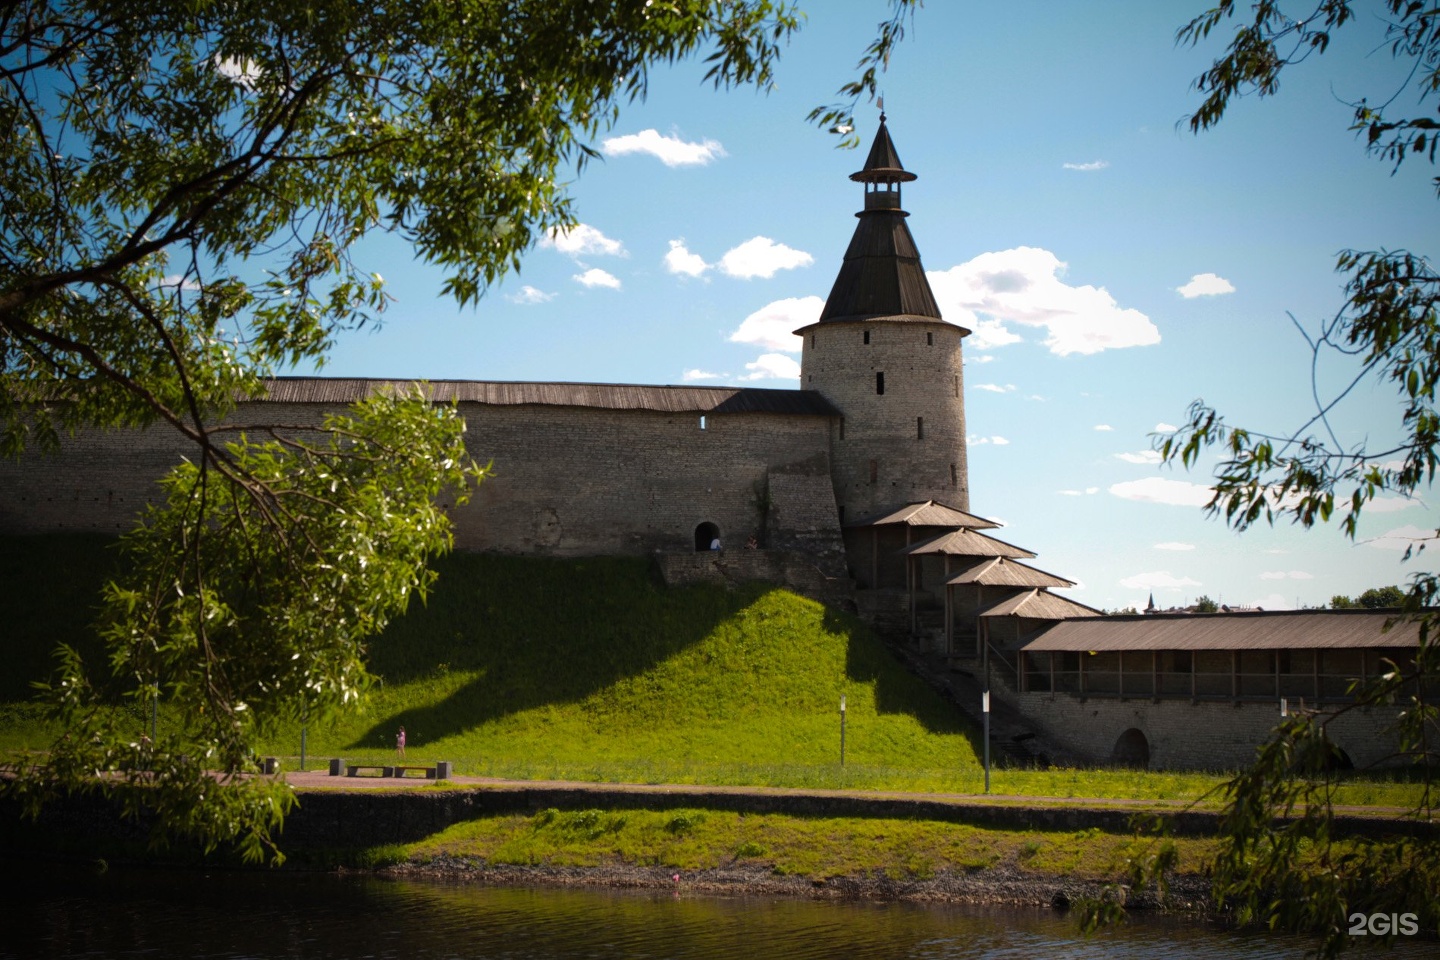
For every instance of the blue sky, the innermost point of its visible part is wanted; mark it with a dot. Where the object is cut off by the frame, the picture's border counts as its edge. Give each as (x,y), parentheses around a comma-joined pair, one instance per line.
(1158,267)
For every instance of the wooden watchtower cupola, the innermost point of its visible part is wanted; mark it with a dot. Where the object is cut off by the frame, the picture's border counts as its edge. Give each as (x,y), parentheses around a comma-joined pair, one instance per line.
(885,358)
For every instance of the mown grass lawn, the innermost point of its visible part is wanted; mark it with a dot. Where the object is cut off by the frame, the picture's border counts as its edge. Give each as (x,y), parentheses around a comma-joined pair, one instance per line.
(591,670)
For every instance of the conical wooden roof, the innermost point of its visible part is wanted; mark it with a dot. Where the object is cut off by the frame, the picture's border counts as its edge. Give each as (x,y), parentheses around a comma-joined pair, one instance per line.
(883,164)
(881,277)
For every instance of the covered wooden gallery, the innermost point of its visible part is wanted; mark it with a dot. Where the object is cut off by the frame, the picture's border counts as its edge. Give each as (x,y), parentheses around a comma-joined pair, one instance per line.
(1305,657)
(959,585)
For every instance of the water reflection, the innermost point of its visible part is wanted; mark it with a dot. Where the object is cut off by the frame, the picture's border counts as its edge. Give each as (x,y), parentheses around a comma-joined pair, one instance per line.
(74,913)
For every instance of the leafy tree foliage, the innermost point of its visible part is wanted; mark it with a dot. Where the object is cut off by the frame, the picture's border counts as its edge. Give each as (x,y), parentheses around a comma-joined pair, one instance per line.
(182,185)
(1203,604)
(1376,598)
(1298,876)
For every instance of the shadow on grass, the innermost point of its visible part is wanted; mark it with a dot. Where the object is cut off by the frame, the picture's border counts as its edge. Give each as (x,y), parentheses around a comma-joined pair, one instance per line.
(897,690)
(50,595)
(539,631)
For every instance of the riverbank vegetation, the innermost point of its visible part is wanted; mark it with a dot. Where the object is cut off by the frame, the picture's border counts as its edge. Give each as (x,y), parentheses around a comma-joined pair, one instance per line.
(816,848)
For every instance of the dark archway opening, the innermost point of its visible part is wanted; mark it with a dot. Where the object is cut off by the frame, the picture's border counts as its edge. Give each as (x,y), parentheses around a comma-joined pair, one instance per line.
(706,534)
(1131,750)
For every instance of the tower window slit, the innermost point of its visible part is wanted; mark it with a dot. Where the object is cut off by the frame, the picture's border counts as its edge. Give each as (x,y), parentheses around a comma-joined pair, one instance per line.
(929,339)
(842,428)
(812,341)
(874,470)
(703,424)
(880,383)
(956,380)
(952,474)
(919,428)
(867,336)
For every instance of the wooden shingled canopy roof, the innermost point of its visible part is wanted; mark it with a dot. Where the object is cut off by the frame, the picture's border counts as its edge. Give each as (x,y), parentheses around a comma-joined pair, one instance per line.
(1251,630)
(930,513)
(1040,605)
(881,276)
(967,543)
(1003,572)
(607,396)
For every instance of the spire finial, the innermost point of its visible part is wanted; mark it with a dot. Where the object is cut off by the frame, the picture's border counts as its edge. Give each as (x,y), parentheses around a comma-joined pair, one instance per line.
(880,102)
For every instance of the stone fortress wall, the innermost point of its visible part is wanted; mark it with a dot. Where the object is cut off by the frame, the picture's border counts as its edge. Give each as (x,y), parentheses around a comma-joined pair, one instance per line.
(568,481)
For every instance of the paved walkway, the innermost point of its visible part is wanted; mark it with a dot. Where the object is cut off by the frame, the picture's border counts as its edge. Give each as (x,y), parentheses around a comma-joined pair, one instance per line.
(320,780)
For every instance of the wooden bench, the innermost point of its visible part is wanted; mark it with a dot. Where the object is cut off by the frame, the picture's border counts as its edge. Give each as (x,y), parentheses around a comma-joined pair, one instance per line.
(353,769)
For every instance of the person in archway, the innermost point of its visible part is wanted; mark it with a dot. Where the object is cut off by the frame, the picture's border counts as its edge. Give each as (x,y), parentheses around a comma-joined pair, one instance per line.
(715,543)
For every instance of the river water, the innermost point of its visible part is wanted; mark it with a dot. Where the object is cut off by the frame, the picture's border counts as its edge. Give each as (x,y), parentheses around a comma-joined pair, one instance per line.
(88,913)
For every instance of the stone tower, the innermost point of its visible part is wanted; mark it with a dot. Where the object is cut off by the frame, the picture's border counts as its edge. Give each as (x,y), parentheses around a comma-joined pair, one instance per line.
(883,356)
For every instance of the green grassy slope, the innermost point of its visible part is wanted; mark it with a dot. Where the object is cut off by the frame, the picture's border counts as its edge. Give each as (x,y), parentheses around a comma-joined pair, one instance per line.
(584,669)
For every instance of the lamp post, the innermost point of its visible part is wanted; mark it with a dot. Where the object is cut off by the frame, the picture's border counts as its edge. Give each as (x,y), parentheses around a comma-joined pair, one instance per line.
(985,709)
(842,730)
(304,721)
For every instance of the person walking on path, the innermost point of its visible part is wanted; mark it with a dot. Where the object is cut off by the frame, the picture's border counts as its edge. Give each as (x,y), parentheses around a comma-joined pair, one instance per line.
(400,743)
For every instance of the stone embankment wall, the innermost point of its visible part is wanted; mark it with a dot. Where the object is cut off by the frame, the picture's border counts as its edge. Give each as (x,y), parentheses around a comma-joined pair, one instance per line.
(1181,735)
(354,820)
(568,481)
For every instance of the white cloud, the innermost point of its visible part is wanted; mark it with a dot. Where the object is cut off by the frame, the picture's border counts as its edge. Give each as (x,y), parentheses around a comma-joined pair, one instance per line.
(1160,579)
(680,260)
(1174,545)
(976,440)
(1104,427)
(1179,493)
(1142,456)
(1078,493)
(1392,504)
(689,376)
(595,277)
(242,71)
(669,150)
(178,281)
(988,334)
(1163,427)
(983,358)
(1000,441)
(1287,575)
(528,294)
(1205,285)
(1274,601)
(773,325)
(995,387)
(1092,489)
(1023,287)
(762,257)
(1401,538)
(583,239)
(773,366)
(1087,167)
